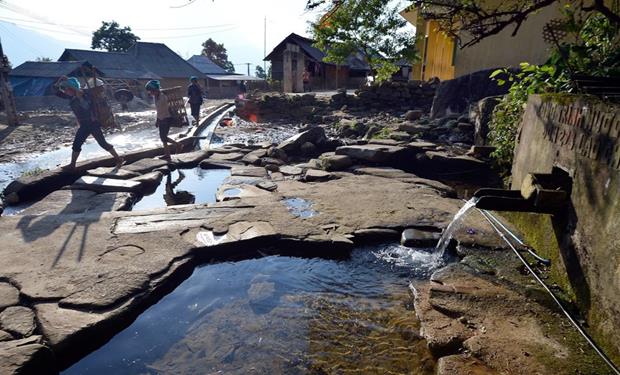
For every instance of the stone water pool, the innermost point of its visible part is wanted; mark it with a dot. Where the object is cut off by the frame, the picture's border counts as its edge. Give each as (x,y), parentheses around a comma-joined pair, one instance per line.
(280,315)
(184,186)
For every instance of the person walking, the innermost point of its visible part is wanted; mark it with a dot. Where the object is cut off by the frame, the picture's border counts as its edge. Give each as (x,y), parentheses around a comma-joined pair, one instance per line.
(194,93)
(83,107)
(164,118)
(306,80)
(242,89)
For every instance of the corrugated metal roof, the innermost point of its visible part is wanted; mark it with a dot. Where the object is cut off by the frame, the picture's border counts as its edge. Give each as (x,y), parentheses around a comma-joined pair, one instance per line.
(163,61)
(206,65)
(112,64)
(50,69)
(233,77)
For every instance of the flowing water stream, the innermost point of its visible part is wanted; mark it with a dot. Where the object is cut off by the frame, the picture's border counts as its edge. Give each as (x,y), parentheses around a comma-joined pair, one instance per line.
(280,315)
(447,234)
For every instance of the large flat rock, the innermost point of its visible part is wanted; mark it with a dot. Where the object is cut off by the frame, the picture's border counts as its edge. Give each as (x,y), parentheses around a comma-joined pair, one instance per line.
(79,201)
(111,172)
(18,321)
(190,159)
(88,271)
(9,295)
(104,185)
(145,165)
(373,153)
(506,324)
(26,356)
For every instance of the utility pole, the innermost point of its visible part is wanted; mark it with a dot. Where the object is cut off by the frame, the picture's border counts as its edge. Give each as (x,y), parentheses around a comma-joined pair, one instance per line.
(6,93)
(265,46)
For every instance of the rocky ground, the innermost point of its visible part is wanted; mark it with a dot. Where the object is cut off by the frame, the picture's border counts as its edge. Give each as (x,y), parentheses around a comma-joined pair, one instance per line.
(80,266)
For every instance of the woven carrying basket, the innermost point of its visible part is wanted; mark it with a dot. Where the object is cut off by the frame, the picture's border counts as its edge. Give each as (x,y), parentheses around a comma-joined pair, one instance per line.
(176,103)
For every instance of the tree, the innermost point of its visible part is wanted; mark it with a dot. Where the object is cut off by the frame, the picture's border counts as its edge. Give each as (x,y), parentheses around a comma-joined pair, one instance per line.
(43,59)
(111,37)
(481,19)
(218,54)
(260,72)
(373,29)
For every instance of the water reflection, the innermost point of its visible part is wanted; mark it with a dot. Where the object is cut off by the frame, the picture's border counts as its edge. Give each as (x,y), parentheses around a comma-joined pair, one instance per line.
(276,315)
(186,186)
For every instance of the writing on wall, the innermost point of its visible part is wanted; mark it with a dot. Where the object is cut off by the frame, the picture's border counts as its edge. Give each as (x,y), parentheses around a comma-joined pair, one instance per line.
(589,131)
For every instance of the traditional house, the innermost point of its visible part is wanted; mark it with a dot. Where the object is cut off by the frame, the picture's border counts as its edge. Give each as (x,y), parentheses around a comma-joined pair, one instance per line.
(442,58)
(172,69)
(37,78)
(296,53)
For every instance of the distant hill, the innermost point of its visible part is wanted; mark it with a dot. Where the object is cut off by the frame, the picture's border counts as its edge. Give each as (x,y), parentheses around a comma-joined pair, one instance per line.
(21,45)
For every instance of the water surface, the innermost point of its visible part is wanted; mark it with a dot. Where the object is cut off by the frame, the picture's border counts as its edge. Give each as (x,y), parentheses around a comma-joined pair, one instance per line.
(280,315)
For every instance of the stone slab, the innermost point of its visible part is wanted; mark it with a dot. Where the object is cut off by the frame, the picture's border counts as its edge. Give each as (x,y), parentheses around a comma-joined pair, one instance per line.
(104,185)
(289,170)
(145,165)
(248,171)
(313,175)
(254,156)
(26,356)
(9,295)
(109,172)
(189,159)
(371,152)
(414,237)
(332,162)
(18,320)
(63,202)
(233,156)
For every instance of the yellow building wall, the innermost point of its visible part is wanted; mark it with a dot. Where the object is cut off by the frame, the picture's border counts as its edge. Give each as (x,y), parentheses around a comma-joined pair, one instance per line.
(440,58)
(439,54)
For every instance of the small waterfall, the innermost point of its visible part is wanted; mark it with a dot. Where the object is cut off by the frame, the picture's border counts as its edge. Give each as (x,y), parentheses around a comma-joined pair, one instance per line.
(454,225)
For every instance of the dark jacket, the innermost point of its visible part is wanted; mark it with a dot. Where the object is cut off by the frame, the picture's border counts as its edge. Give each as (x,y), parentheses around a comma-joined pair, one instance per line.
(83,107)
(194,93)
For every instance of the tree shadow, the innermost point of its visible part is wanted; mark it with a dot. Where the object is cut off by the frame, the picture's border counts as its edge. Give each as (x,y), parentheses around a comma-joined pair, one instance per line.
(84,209)
(6,132)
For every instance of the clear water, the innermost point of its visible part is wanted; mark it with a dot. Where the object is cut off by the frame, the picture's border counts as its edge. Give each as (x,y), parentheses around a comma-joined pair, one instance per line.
(279,315)
(300,207)
(454,225)
(122,142)
(185,186)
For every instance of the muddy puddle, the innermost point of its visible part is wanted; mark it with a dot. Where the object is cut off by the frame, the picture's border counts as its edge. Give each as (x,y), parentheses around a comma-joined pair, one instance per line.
(184,186)
(280,315)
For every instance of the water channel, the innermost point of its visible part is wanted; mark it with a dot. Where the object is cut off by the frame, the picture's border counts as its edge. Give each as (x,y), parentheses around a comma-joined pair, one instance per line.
(280,315)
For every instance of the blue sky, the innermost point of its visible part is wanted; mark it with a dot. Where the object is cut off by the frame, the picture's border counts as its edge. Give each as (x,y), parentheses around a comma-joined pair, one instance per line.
(34,28)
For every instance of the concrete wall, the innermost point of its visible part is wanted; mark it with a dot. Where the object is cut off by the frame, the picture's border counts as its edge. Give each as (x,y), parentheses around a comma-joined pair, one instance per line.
(580,137)
(504,50)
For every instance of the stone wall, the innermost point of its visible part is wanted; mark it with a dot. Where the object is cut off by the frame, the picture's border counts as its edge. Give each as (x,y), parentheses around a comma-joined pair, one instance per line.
(580,136)
(391,95)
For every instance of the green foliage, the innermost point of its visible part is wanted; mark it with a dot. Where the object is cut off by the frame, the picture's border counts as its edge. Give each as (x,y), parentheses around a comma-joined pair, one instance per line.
(370,29)
(217,53)
(595,52)
(260,72)
(111,37)
(33,172)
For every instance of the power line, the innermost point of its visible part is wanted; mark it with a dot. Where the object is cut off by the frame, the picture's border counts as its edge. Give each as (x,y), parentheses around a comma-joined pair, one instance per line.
(4,18)
(192,35)
(22,41)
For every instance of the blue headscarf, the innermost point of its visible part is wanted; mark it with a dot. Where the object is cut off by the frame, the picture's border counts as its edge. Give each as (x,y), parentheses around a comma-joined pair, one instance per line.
(71,82)
(152,85)
(193,78)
